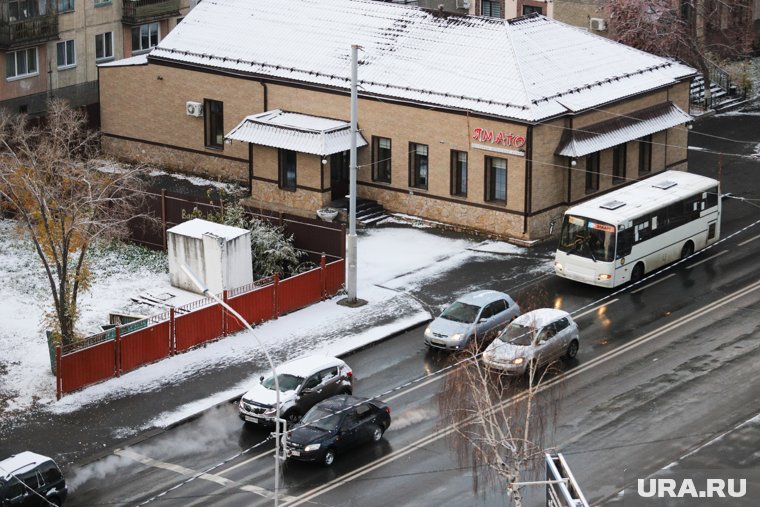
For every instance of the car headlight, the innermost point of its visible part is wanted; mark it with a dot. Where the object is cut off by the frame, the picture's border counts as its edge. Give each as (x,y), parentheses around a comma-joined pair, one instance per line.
(270,412)
(428,332)
(456,337)
(518,360)
(311,447)
(558,266)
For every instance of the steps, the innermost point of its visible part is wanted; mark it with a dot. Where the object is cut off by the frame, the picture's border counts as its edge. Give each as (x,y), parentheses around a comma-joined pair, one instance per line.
(719,98)
(369,212)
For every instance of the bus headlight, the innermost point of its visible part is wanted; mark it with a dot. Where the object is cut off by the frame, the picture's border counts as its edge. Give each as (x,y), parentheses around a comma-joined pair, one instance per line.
(558,266)
(605,276)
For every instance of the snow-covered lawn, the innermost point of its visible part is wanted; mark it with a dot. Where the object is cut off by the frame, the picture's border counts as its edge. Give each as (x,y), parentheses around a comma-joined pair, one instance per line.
(391,261)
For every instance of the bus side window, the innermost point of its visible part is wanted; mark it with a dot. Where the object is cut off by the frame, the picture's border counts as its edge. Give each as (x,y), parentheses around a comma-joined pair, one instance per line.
(625,243)
(712,198)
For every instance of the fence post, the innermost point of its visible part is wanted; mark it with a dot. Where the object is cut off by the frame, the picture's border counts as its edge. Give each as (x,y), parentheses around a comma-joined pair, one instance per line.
(275,296)
(224,313)
(322,277)
(163,217)
(342,241)
(172,341)
(58,375)
(117,349)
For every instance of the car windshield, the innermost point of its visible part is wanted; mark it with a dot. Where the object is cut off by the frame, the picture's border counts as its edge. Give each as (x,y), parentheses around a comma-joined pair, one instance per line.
(287,382)
(321,418)
(517,334)
(461,312)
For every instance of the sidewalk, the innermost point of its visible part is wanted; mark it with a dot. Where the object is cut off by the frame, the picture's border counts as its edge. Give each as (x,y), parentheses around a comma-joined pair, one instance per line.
(91,422)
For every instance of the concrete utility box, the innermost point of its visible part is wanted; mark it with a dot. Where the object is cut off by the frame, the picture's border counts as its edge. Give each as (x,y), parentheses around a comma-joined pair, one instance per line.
(220,255)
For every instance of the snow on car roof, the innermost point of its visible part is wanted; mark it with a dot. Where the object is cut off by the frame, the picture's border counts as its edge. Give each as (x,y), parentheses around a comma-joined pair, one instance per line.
(20,462)
(307,365)
(540,318)
(482,297)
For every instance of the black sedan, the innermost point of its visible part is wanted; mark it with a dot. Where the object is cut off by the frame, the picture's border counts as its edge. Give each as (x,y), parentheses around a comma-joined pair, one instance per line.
(336,424)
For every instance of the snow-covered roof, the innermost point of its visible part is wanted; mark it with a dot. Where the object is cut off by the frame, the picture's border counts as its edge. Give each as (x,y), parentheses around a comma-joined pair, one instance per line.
(295,131)
(307,365)
(540,317)
(124,62)
(621,129)
(482,297)
(197,227)
(19,463)
(527,69)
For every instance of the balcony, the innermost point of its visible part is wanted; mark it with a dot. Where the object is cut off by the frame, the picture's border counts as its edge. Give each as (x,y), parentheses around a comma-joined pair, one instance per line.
(23,23)
(137,12)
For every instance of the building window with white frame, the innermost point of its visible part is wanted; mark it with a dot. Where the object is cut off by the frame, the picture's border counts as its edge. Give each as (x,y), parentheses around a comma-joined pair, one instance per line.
(418,165)
(21,63)
(65,6)
(491,8)
(496,180)
(459,173)
(381,159)
(103,46)
(66,54)
(99,3)
(145,37)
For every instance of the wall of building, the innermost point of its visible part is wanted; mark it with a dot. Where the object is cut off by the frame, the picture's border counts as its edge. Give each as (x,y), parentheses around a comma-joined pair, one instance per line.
(578,12)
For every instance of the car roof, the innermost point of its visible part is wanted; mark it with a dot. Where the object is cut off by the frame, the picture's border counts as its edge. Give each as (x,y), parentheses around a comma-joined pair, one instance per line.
(21,462)
(341,401)
(307,365)
(482,297)
(540,317)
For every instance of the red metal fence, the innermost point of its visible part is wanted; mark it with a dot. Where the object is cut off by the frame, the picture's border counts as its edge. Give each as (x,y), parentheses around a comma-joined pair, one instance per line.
(149,340)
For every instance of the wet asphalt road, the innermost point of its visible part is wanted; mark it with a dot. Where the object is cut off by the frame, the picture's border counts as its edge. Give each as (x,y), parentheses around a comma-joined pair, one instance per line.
(619,415)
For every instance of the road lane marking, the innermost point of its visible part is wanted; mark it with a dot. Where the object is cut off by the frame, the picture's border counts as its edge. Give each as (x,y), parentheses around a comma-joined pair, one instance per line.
(595,308)
(179,469)
(707,259)
(437,435)
(265,453)
(753,238)
(653,283)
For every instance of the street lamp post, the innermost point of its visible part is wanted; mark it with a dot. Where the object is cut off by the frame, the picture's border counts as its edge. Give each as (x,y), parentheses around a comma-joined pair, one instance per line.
(278,421)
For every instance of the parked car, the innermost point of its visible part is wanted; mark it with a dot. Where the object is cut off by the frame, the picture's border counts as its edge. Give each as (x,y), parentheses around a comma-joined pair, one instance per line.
(539,337)
(479,315)
(303,383)
(335,425)
(31,479)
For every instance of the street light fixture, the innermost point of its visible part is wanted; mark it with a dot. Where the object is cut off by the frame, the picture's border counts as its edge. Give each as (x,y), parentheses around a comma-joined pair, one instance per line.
(277,419)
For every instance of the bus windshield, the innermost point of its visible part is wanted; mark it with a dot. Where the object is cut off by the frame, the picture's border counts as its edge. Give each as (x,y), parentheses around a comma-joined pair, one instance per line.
(587,238)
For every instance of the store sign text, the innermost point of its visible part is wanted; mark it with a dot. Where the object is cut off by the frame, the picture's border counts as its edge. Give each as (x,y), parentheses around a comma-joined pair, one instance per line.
(501,138)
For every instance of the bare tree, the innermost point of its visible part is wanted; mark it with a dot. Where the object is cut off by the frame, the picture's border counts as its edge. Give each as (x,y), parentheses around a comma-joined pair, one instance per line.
(63,200)
(501,423)
(695,31)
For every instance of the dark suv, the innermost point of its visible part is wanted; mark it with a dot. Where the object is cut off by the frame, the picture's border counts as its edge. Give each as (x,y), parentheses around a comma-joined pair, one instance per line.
(30,479)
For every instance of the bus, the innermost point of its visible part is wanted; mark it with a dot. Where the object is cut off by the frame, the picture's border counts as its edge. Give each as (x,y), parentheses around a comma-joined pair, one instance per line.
(625,234)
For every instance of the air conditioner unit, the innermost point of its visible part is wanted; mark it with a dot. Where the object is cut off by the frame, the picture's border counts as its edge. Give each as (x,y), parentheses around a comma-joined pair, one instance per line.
(194,109)
(597,24)
(463,4)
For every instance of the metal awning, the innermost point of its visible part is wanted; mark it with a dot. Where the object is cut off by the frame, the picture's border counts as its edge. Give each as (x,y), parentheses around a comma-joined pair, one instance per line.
(295,131)
(600,136)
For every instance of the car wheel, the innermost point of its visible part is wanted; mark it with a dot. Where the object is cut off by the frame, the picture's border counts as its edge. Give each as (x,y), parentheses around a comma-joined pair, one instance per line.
(292,417)
(377,433)
(638,273)
(572,350)
(329,457)
(687,250)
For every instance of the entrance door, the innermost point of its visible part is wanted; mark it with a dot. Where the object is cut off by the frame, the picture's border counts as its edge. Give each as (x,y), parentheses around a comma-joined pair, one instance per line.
(339,174)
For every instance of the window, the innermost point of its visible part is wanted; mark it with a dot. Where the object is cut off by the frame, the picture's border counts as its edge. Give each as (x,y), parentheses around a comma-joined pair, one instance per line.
(459,173)
(287,171)
(592,172)
(144,37)
(645,154)
(65,5)
(530,9)
(66,54)
(381,159)
(213,123)
(496,179)
(21,63)
(23,9)
(103,46)
(619,154)
(102,2)
(490,8)
(418,165)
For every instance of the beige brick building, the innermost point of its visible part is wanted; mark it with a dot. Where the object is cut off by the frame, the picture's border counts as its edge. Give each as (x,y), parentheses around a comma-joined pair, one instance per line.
(470,121)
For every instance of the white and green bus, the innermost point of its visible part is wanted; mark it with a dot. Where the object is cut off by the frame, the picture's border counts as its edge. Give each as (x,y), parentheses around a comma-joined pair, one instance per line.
(622,235)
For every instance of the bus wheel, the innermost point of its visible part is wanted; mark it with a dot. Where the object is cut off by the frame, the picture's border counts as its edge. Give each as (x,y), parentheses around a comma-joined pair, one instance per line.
(638,273)
(687,250)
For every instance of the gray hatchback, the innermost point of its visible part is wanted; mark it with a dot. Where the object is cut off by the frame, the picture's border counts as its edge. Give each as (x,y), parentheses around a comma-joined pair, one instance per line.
(476,317)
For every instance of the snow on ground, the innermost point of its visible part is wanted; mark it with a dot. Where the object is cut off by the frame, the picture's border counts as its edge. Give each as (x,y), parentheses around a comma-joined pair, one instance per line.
(391,261)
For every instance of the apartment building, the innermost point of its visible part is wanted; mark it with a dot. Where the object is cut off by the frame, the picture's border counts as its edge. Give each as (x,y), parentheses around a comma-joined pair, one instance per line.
(51,48)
